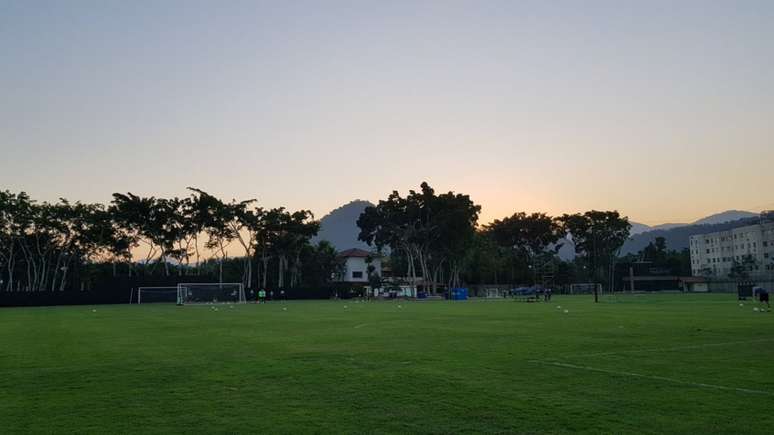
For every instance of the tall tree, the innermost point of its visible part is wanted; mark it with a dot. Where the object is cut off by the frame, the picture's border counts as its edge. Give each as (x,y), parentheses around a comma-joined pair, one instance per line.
(526,236)
(214,217)
(141,221)
(432,231)
(598,236)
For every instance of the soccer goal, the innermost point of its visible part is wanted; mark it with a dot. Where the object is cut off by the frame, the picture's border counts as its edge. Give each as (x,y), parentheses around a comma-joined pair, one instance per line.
(211,293)
(150,295)
(585,288)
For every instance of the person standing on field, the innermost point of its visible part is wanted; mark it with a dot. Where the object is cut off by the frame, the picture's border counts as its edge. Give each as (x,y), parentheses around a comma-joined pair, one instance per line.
(261,296)
(763,297)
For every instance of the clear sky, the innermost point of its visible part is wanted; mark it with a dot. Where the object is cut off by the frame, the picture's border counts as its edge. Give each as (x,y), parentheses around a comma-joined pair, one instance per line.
(663,110)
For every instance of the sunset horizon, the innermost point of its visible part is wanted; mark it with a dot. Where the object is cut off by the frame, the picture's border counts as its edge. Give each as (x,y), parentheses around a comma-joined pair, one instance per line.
(652,109)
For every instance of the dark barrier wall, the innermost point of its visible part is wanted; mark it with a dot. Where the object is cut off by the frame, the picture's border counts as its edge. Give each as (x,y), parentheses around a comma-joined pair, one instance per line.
(117,291)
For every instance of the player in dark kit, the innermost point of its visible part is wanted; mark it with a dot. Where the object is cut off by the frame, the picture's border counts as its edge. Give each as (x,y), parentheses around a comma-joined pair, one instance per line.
(763,297)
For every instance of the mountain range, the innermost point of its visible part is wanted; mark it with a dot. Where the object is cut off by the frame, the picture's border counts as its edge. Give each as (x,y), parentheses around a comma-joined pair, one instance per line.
(717,218)
(339,227)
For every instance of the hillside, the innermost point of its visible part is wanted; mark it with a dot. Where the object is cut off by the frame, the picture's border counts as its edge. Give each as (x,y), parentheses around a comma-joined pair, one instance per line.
(726,216)
(717,218)
(340,226)
(677,238)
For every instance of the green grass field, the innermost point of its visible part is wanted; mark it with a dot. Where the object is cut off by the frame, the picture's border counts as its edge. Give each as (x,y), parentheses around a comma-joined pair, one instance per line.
(638,364)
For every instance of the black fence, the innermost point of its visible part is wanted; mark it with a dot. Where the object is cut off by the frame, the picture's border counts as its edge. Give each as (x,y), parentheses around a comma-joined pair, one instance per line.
(118,290)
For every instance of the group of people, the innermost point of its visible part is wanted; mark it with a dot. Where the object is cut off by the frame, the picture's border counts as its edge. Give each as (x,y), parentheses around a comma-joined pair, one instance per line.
(262,299)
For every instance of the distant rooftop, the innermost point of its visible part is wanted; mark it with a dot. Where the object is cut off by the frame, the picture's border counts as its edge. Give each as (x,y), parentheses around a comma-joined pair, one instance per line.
(355,252)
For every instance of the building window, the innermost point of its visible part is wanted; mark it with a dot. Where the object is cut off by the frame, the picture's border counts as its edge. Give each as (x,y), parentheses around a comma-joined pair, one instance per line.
(357,274)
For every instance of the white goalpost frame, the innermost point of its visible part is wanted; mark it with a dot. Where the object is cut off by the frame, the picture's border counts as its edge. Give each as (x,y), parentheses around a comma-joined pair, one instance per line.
(585,288)
(156,290)
(184,289)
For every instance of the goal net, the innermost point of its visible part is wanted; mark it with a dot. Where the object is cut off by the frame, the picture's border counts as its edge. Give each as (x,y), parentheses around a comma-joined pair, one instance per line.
(211,293)
(149,295)
(585,288)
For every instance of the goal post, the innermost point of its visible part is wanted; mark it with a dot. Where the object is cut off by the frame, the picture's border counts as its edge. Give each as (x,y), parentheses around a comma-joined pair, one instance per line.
(149,295)
(211,293)
(585,288)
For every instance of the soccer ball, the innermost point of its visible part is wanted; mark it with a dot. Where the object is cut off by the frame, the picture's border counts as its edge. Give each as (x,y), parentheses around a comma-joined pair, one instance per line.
(566,311)
(284,309)
(755,309)
(741,305)
(558,307)
(400,306)
(94,311)
(345,306)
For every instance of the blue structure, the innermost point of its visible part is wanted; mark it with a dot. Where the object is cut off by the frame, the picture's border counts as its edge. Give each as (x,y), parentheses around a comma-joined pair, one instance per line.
(459,294)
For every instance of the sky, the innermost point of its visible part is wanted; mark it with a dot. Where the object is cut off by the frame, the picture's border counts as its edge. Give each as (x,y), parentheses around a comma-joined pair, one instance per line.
(662,110)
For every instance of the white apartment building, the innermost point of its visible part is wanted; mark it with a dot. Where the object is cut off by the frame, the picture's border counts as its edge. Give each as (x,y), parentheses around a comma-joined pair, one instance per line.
(713,254)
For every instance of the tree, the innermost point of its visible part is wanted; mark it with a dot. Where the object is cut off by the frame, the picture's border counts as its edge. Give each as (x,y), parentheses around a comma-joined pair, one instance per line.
(740,270)
(598,236)
(15,210)
(487,261)
(232,221)
(374,279)
(299,230)
(674,262)
(391,223)
(140,220)
(214,217)
(431,231)
(40,243)
(526,236)
(321,263)
(655,252)
(268,227)
(454,227)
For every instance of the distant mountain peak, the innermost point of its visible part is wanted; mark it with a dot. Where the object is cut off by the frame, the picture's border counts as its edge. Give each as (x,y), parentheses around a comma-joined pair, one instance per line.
(725,216)
(717,218)
(339,227)
(677,237)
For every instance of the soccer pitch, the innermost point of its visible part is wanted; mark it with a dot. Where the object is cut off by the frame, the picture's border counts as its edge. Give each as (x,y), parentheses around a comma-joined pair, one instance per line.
(633,364)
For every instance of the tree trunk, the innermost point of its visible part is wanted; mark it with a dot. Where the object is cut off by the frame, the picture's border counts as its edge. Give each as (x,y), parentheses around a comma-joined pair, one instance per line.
(249,271)
(265,261)
(411,269)
(64,276)
(56,269)
(281,278)
(198,257)
(11,266)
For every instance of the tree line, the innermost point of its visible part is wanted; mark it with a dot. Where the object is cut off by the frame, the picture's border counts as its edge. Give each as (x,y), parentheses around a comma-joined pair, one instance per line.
(433,240)
(42,243)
